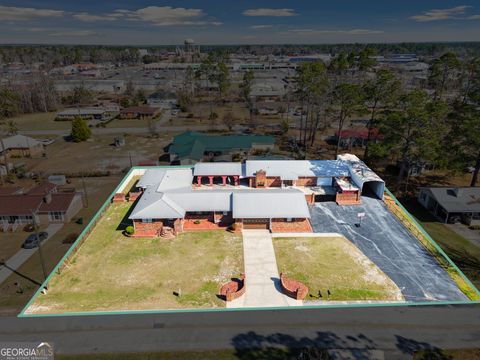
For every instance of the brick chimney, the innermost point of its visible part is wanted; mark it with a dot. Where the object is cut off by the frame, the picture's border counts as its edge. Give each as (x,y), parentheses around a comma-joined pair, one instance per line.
(260,178)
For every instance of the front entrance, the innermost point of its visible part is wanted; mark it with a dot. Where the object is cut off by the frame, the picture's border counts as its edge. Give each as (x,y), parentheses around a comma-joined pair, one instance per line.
(256,224)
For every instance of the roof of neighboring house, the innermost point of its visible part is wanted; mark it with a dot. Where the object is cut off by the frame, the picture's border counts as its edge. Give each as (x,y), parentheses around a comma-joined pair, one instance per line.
(140,110)
(270,203)
(220,168)
(359,133)
(465,199)
(42,188)
(23,205)
(293,169)
(18,142)
(192,145)
(59,202)
(82,111)
(5,191)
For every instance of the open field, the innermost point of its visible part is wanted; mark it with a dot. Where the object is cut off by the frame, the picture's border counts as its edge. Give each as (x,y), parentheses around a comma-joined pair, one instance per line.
(29,275)
(40,121)
(113,272)
(335,265)
(97,154)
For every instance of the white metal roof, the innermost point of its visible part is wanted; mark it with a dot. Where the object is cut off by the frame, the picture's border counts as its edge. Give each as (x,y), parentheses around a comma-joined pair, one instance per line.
(156,205)
(362,174)
(151,177)
(282,203)
(220,168)
(293,169)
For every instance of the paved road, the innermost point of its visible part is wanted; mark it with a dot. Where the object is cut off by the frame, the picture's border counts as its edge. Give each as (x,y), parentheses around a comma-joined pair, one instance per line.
(261,273)
(399,331)
(385,241)
(23,255)
(133,130)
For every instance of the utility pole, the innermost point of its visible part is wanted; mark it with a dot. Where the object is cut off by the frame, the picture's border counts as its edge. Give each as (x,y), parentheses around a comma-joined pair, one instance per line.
(40,251)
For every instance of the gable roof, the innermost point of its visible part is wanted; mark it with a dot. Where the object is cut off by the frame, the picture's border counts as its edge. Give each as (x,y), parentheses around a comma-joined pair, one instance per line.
(270,203)
(457,199)
(18,142)
(192,145)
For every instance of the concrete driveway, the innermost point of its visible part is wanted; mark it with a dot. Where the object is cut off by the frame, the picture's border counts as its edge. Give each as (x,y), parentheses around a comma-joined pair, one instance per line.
(261,273)
(386,242)
(23,255)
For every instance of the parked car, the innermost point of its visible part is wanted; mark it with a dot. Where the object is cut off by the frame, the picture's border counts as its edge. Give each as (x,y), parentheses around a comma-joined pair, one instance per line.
(32,240)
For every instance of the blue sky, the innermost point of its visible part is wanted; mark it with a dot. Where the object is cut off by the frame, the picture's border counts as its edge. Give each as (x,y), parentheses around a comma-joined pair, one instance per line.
(143,22)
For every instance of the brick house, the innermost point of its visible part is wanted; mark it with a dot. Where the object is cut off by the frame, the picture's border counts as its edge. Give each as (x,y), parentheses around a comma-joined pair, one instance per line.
(139,112)
(258,194)
(20,146)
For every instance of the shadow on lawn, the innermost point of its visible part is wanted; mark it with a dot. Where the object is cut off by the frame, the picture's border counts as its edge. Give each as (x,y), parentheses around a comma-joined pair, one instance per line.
(126,221)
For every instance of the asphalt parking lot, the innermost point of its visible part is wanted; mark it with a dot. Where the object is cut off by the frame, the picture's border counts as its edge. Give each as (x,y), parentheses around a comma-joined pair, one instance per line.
(386,242)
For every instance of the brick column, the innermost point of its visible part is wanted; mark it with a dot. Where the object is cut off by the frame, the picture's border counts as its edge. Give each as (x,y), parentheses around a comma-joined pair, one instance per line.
(199,180)
(210,179)
(224,180)
(235,178)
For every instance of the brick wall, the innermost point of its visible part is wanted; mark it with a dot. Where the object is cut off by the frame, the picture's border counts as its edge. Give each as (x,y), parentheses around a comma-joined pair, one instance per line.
(132,196)
(119,197)
(348,198)
(144,229)
(294,289)
(296,225)
(233,289)
(306,181)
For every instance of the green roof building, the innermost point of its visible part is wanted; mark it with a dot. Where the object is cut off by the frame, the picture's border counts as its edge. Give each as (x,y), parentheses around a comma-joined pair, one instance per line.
(191,147)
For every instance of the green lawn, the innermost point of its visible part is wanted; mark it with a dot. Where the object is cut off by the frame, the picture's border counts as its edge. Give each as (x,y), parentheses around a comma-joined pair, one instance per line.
(335,265)
(111,272)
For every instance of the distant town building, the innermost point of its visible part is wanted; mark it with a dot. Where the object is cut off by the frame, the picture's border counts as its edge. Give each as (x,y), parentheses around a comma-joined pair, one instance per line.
(139,112)
(89,113)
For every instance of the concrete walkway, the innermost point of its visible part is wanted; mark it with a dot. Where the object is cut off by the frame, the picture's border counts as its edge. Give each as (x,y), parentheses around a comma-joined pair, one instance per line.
(261,273)
(23,255)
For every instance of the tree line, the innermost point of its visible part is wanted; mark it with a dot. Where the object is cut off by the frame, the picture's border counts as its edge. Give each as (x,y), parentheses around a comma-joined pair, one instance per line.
(437,123)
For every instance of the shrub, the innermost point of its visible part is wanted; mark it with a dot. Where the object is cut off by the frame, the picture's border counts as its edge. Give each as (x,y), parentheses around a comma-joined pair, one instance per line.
(197,222)
(28,228)
(70,238)
(129,230)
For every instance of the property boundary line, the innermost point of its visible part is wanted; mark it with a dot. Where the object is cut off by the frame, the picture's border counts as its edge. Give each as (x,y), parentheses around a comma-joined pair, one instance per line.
(165,311)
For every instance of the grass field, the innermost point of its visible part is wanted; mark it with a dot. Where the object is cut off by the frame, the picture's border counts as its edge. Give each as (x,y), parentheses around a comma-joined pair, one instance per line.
(112,272)
(335,265)
(40,121)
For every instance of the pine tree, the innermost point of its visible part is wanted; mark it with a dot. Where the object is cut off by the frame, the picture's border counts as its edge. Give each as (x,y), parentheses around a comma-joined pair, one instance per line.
(80,130)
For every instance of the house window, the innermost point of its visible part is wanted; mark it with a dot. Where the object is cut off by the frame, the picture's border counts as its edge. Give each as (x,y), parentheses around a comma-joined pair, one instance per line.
(146,220)
(289,219)
(225,213)
(55,216)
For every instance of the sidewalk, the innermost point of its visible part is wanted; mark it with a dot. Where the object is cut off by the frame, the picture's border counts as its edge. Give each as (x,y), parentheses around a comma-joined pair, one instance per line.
(261,273)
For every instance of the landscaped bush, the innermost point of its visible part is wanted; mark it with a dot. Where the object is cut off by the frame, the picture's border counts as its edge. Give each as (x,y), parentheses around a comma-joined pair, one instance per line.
(28,228)
(129,230)
(70,238)
(197,222)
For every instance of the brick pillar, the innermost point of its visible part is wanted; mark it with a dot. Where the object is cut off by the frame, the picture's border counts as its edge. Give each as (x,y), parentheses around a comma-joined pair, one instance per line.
(210,179)
(199,180)
(224,180)
(235,178)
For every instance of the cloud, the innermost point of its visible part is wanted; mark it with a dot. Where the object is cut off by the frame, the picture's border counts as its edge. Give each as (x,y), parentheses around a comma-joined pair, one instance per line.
(91,18)
(260,27)
(12,13)
(440,14)
(270,12)
(168,16)
(75,33)
(326,32)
